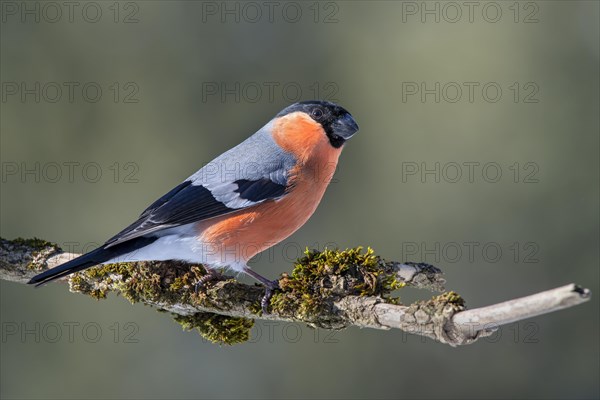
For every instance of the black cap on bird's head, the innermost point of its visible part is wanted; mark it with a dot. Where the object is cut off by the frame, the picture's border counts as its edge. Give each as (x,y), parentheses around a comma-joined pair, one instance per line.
(336,121)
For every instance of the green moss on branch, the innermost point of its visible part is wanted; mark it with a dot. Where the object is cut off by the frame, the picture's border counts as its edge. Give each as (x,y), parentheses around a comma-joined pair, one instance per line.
(309,294)
(217,328)
(320,278)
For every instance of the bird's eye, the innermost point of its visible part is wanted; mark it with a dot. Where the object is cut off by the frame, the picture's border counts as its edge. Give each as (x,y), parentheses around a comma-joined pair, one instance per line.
(316,113)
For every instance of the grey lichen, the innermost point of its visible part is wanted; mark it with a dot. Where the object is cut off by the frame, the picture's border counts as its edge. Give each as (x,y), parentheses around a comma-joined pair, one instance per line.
(433,316)
(20,259)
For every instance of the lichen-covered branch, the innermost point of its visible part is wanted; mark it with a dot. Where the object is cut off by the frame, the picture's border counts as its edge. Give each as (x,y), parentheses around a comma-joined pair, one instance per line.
(331,289)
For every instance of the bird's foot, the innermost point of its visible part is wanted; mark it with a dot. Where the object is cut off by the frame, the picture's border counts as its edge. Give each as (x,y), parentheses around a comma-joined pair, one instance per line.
(269,289)
(211,275)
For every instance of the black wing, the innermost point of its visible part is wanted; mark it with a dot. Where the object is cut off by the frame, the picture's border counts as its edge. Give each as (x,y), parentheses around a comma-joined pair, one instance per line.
(189,203)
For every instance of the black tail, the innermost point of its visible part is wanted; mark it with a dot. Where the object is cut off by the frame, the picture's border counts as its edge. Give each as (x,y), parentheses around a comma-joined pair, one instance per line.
(90,259)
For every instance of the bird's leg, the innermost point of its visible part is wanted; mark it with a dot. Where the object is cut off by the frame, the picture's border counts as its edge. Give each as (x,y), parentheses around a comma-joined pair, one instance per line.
(211,275)
(270,286)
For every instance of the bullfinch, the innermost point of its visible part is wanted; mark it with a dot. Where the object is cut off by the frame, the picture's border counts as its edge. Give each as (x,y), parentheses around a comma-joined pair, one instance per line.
(246,200)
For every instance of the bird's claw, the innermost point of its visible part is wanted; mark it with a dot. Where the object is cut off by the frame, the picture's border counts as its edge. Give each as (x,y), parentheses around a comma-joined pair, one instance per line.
(210,275)
(269,289)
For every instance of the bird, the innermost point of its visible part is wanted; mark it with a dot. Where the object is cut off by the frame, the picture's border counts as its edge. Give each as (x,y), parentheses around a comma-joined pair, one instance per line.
(245,201)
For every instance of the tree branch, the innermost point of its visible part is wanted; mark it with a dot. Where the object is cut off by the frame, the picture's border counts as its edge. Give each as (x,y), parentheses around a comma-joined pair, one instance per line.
(329,289)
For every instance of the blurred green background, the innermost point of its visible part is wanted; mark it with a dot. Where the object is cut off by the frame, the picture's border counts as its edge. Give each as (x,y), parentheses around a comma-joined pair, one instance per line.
(183,81)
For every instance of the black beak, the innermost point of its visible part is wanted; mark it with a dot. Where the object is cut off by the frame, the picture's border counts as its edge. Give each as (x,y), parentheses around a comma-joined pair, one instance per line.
(345,126)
